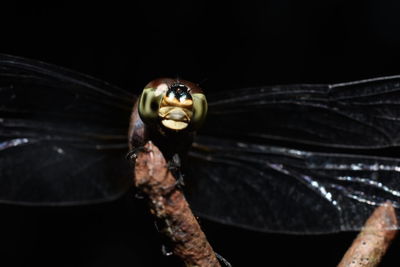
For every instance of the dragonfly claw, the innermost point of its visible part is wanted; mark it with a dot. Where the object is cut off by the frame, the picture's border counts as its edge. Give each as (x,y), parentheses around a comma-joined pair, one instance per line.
(133,154)
(174,166)
(222,260)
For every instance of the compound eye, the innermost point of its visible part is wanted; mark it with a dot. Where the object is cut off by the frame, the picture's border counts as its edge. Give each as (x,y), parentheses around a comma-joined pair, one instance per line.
(149,102)
(154,105)
(200,108)
(161,89)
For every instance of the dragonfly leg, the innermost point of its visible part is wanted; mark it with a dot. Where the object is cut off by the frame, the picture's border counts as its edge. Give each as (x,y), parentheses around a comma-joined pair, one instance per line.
(222,260)
(133,154)
(138,194)
(174,166)
(166,251)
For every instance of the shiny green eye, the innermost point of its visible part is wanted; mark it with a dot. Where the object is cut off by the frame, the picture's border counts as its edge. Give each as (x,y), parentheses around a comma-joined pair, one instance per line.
(149,103)
(200,108)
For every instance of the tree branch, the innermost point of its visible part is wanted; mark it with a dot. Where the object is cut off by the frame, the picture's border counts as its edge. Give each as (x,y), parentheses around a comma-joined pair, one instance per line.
(373,240)
(169,205)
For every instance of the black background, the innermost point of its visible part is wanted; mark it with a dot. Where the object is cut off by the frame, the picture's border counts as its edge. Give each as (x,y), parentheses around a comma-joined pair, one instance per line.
(222,46)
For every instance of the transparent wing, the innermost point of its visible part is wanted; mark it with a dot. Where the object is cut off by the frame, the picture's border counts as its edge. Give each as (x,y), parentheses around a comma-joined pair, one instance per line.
(363,114)
(62,135)
(297,159)
(286,190)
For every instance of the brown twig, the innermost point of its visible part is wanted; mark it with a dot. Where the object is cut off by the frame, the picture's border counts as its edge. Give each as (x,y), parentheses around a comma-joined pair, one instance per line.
(373,240)
(169,205)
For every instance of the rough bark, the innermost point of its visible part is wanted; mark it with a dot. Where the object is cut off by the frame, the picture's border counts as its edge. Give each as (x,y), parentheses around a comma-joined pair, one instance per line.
(168,204)
(374,239)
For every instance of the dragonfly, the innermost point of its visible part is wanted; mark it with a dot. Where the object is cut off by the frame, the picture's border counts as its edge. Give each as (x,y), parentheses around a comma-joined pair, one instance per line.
(304,158)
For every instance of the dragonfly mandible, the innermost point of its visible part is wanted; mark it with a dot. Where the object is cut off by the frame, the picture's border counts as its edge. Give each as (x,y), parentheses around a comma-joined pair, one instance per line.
(307,158)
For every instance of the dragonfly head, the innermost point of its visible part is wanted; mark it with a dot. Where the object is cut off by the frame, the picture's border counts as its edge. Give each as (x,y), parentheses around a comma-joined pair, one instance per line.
(175,104)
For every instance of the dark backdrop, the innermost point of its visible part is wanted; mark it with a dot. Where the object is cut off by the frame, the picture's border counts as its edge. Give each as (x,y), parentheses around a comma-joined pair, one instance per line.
(219,46)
